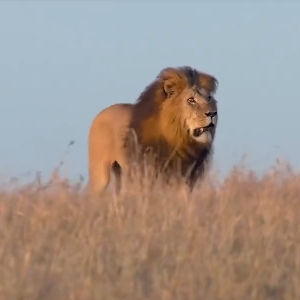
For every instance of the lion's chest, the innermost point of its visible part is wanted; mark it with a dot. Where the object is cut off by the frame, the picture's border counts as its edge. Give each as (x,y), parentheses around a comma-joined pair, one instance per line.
(168,159)
(171,159)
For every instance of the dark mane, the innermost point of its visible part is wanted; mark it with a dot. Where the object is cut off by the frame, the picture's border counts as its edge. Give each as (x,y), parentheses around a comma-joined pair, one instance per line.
(146,105)
(145,115)
(206,81)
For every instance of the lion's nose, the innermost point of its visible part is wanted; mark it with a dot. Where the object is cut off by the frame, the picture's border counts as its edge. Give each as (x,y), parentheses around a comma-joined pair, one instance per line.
(211,114)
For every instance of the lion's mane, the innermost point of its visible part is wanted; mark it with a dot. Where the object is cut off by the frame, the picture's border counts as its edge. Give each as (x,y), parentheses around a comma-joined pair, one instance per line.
(157,121)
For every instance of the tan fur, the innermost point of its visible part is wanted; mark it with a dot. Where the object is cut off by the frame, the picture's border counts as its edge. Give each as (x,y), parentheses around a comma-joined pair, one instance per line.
(163,122)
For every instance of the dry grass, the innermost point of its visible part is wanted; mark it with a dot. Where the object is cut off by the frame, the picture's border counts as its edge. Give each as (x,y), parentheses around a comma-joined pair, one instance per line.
(235,240)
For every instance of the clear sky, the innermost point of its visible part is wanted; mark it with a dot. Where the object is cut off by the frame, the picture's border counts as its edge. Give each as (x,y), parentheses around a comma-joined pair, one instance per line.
(63,61)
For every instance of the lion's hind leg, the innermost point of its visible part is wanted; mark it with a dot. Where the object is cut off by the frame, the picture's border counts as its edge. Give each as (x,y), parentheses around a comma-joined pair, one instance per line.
(116,168)
(100,177)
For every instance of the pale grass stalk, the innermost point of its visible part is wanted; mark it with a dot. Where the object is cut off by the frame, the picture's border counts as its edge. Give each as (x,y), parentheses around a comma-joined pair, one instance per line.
(233,239)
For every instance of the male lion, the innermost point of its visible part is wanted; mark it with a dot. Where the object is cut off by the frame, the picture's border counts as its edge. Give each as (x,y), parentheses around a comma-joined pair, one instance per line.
(174,119)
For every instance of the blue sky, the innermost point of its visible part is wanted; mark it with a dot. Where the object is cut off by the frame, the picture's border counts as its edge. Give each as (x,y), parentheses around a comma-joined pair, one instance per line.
(63,61)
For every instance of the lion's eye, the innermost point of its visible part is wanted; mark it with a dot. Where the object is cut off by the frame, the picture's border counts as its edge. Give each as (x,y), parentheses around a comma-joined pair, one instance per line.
(209,98)
(191,100)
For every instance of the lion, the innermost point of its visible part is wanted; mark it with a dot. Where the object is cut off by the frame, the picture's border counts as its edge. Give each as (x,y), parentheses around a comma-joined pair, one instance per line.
(174,120)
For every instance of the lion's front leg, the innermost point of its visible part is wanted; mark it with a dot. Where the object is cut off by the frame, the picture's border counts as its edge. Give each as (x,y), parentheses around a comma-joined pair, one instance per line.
(195,173)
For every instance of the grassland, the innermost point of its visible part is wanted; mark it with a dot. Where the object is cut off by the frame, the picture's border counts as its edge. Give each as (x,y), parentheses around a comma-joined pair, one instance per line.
(235,239)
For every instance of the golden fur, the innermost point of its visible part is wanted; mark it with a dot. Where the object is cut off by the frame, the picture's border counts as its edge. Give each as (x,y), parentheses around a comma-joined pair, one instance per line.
(174,120)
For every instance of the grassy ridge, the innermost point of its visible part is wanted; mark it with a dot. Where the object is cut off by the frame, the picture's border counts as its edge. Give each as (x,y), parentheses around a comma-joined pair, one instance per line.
(236,240)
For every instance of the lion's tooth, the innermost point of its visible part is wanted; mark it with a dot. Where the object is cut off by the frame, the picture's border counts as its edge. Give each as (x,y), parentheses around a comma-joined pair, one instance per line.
(201,129)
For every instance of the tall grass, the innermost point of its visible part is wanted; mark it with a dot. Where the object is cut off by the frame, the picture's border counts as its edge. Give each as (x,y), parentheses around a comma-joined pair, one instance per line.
(235,239)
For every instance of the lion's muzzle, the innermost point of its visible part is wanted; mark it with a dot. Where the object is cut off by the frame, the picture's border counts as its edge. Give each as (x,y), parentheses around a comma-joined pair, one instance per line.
(211,114)
(198,131)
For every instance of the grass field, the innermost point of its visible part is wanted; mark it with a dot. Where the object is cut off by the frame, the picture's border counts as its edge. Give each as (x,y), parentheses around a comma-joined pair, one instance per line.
(235,239)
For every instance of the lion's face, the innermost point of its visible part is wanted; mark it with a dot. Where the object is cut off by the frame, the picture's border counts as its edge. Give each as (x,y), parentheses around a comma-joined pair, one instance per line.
(199,114)
(189,105)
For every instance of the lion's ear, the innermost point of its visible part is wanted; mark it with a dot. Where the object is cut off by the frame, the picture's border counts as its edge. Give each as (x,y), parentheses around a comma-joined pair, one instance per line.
(170,87)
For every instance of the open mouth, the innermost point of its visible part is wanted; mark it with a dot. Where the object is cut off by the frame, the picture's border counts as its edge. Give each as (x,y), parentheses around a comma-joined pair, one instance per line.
(198,131)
